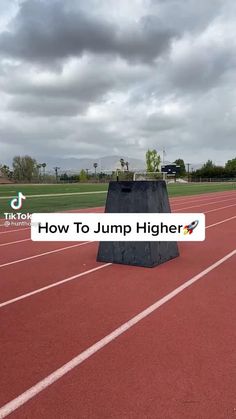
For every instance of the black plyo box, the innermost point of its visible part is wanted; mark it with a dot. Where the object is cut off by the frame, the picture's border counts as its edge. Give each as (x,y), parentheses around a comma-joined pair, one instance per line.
(139,197)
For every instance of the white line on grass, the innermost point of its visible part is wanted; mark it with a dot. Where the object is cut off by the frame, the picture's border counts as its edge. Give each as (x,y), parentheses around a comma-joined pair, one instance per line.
(83,356)
(57,194)
(98,208)
(76,210)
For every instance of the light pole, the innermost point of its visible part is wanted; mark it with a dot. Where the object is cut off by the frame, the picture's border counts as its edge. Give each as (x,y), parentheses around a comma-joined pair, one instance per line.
(44,166)
(56,172)
(39,166)
(95,165)
(188,164)
(163,156)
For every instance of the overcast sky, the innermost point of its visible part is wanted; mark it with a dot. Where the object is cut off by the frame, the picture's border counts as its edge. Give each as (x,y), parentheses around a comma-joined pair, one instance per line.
(89,78)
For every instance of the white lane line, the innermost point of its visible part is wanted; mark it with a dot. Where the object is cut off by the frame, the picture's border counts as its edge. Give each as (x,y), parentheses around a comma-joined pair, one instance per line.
(77,210)
(19,241)
(216,209)
(28,228)
(55,284)
(185,199)
(195,197)
(205,194)
(61,249)
(3,225)
(188,200)
(90,193)
(13,231)
(25,240)
(87,353)
(221,222)
(207,203)
(16,242)
(97,209)
(201,202)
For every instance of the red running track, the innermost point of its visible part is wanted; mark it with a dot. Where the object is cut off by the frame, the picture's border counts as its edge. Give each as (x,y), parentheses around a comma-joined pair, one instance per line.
(176,363)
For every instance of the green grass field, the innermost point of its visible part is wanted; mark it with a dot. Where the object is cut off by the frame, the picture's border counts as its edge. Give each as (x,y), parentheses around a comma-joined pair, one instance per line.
(51,198)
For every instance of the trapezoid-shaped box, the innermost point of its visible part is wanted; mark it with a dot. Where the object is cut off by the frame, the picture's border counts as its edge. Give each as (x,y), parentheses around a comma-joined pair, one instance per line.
(141,197)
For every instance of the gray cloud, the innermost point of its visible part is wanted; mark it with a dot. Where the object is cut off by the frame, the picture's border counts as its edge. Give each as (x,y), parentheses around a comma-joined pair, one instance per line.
(80,84)
(201,64)
(45,106)
(46,31)
(91,78)
(191,15)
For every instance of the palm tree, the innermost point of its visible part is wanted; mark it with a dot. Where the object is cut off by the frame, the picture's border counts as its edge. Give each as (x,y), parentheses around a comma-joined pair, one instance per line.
(95,165)
(122,163)
(44,166)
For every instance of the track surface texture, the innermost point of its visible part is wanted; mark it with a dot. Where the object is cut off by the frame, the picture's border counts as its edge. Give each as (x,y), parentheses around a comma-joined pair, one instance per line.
(81,339)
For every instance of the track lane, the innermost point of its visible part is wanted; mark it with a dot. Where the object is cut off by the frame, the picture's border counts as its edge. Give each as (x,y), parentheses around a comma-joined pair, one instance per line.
(203,203)
(30,244)
(35,273)
(31,273)
(118,276)
(174,201)
(98,298)
(176,364)
(190,208)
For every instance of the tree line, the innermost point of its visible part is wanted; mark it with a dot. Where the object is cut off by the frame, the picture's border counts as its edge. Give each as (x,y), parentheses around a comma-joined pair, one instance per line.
(208,169)
(24,169)
(27,169)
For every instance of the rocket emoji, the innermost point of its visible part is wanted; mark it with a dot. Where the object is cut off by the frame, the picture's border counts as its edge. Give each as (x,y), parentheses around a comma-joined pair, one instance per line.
(188,229)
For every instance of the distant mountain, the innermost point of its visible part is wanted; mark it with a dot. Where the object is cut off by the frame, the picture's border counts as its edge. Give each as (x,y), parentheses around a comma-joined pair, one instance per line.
(107,163)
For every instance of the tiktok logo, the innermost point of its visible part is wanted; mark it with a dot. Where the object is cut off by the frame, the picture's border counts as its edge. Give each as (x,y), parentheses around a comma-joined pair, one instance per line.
(16,203)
